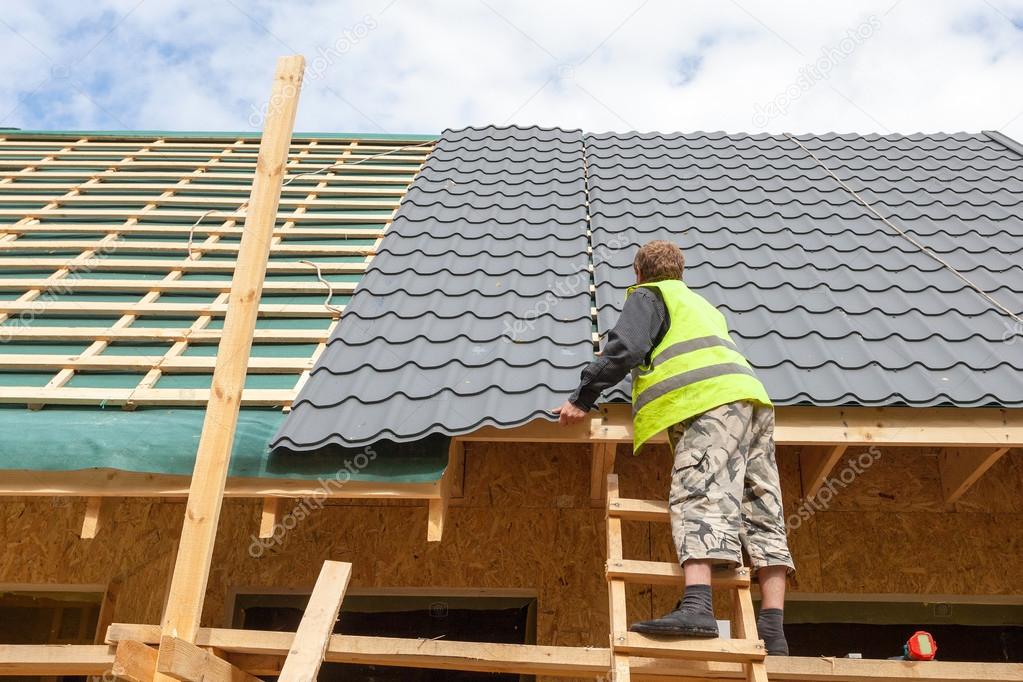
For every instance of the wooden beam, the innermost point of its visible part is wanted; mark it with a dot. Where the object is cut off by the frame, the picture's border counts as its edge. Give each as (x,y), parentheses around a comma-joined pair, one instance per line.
(438,508)
(33,362)
(120,483)
(815,465)
(53,660)
(67,395)
(184,661)
(805,669)
(268,517)
(881,426)
(602,461)
(456,466)
(156,334)
(206,493)
(961,467)
(317,625)
(523,659)
(134,662)
(91,520)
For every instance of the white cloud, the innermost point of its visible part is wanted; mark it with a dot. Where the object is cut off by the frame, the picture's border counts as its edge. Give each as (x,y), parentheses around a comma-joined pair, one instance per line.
(409,66)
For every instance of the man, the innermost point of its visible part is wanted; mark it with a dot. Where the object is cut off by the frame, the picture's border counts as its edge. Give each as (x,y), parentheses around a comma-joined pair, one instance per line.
(689,378)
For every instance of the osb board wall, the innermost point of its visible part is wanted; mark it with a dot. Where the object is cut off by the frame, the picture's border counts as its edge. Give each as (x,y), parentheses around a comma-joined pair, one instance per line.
(526,522)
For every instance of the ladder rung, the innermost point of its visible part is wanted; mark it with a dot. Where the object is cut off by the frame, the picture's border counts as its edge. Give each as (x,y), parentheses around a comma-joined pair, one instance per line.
(716,649)
(666,573)
(638,510)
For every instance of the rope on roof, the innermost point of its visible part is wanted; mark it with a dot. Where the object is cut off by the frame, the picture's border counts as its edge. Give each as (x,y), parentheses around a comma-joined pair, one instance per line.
(948,266)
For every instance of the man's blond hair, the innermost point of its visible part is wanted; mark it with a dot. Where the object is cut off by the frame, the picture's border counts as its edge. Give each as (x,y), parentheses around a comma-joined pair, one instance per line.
(659,260)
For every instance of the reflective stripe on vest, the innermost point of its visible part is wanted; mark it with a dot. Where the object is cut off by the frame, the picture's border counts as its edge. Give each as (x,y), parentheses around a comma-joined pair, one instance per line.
(694,368)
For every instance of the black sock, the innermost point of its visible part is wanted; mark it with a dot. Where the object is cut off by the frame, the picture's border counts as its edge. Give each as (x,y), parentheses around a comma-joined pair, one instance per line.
(697,599)
(771,630)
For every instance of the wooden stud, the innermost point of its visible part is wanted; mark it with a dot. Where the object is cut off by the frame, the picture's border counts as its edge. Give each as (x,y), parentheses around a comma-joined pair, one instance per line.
(91,521)
(601,465)
(268,517)
(744,624)
(317,625)
(960,468)
(815,465)
(134,662)
(184,661)
(191,569)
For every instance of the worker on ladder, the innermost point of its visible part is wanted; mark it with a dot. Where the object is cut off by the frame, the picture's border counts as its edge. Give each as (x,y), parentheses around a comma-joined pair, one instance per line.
(689,378)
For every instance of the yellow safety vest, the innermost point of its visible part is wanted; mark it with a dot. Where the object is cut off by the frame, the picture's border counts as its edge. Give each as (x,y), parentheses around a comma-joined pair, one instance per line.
(696,366)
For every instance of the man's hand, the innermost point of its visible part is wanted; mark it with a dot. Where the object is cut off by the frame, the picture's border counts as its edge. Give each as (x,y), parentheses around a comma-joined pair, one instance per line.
(568,413)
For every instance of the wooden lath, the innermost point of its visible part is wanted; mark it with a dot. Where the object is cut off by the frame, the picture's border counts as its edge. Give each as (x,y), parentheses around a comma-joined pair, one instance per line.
(81,227)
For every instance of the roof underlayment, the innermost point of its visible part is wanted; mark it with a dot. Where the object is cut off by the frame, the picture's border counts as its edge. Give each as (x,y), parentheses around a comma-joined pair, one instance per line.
(832,305)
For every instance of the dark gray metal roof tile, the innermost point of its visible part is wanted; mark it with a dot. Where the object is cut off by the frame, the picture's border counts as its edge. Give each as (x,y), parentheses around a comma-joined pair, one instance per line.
(476,308)
(832,306)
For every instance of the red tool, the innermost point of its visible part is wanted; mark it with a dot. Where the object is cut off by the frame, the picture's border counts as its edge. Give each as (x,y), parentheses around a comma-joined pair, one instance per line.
(920,647)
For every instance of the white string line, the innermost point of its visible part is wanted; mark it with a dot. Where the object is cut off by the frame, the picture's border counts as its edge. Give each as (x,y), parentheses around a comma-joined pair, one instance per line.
(330,288)
(910,238)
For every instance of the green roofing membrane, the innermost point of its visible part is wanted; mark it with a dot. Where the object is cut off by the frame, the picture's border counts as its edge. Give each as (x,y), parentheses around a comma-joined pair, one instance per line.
(163,440)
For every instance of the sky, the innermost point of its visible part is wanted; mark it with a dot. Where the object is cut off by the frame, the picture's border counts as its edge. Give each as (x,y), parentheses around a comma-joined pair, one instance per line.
(420,66)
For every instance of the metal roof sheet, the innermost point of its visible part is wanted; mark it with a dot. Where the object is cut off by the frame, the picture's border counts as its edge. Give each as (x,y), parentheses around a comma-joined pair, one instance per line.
(476,309)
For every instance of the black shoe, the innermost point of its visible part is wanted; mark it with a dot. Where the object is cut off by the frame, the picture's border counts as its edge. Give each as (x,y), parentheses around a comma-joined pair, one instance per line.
(678,623)
(776,647)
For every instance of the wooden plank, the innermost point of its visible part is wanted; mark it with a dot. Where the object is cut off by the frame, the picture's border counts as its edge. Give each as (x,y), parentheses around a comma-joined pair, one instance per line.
(744,625)
(669,573)
(158,247)
(815,465)
(522,659)
(185,200)
(805,669)
(88,308)
(183,397)
(155,334)
(395,191)
(882,426)
(206,493)
(91,520)
(119,483)
(317,625)
(716,649)
(620,663)
(170,229)
(48,660)
(165,286)
(639,510)
(84,175)
(184,661)
(168,264)
(960,468)
(134,662)
(33,362)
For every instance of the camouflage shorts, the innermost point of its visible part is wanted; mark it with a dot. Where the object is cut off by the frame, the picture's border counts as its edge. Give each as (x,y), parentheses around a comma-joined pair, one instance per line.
(725,492)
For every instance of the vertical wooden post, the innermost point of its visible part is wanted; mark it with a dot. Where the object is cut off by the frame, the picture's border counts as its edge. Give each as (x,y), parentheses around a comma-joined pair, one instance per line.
(206,492)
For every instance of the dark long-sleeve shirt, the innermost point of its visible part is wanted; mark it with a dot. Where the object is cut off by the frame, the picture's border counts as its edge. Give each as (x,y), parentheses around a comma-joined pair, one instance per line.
(642,325)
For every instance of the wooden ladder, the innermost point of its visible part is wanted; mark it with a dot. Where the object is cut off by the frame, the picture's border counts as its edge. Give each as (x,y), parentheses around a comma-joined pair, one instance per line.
(747,648)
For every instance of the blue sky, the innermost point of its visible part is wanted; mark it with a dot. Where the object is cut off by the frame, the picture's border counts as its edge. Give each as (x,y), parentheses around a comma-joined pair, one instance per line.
(420,66)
